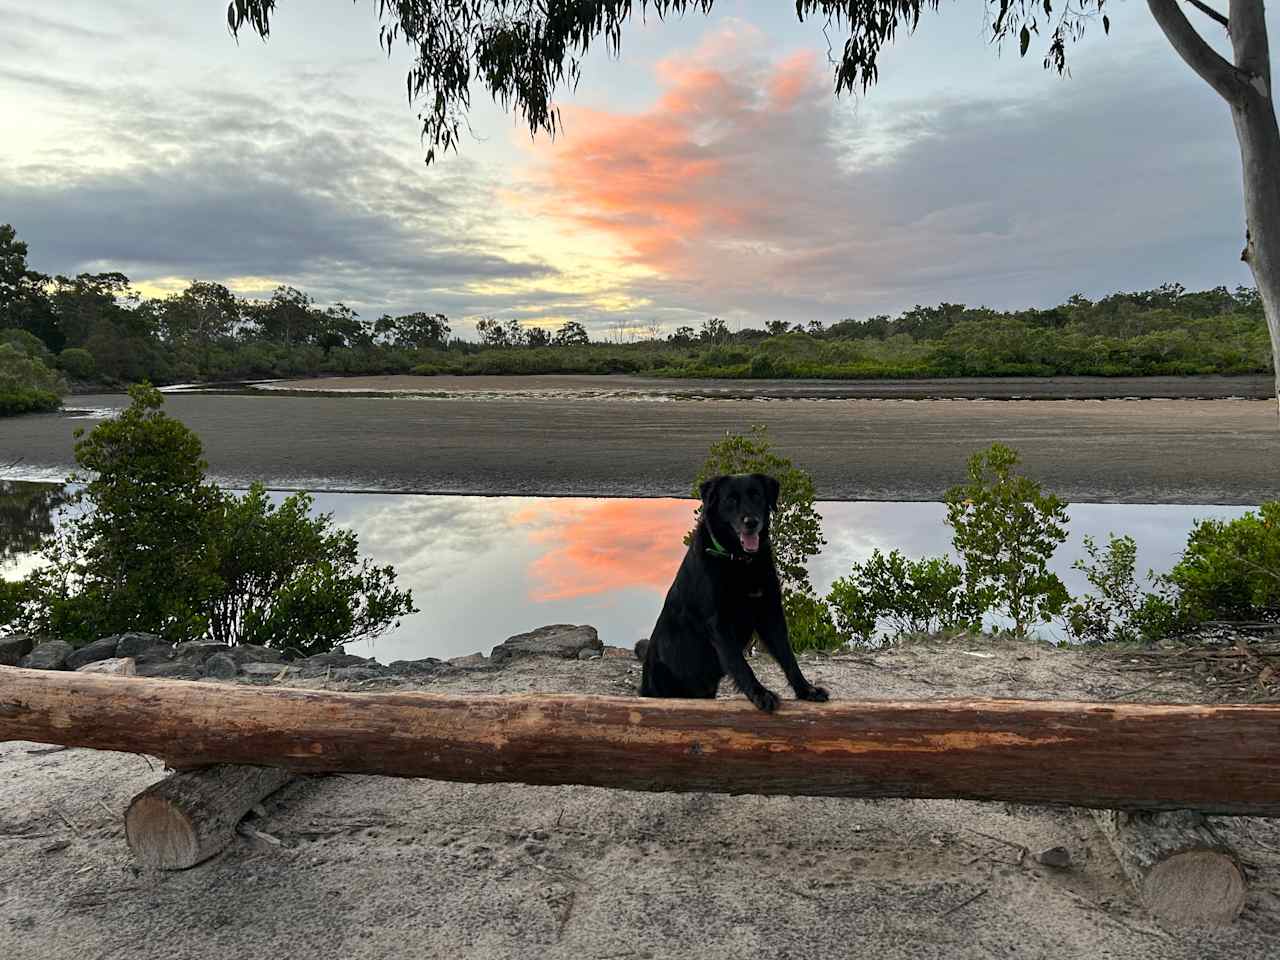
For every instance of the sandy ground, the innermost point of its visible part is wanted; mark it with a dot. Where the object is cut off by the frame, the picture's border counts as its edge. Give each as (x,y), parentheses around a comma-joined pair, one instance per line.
(369,867)
(1144,451)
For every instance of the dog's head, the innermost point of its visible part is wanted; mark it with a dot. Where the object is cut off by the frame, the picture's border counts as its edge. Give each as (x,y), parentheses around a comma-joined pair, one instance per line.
(739,507)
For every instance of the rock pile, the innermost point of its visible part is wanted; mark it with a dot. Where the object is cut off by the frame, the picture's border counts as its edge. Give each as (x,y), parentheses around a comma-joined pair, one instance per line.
(148,655)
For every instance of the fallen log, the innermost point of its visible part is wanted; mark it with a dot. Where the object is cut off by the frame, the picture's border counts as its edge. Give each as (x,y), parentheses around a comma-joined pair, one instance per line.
(188,817)
(1183,873)
(1217,759)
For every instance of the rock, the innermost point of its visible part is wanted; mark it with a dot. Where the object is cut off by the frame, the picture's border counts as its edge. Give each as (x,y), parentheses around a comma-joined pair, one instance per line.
(267,671)
(169,671)
(113,666)
(50,655)
(411,668)
(133,643)
(252,653)
(221,666)
(103,649)
(14,647)
(199,651)
(617,653)
(159,653)
(335,658)
(586,653)
(1057,857)
(499,654)
(357,673)
(558,640)
(476,661)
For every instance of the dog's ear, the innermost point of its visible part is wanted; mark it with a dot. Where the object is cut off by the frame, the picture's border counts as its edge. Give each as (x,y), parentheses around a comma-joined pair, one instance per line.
(771,488)
(707,491)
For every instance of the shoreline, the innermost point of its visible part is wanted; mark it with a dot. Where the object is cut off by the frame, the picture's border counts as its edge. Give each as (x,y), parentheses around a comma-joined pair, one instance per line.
(622,386)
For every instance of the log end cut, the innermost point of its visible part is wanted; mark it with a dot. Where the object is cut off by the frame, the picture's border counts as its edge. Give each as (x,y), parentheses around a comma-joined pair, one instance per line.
(161,835)
(1196,888)
(188,817)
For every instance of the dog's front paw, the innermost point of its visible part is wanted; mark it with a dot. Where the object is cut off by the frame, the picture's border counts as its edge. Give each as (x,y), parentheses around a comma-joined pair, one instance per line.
(766,700)
(816,694)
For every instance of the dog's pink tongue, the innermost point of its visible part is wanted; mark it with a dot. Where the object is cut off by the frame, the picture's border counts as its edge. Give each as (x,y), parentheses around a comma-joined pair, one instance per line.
(750,542)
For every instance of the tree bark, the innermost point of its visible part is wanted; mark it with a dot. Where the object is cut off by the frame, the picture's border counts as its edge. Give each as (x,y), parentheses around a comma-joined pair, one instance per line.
(1246,87)
(1184,875)
(1254,115)
(1217,759)
(188,817)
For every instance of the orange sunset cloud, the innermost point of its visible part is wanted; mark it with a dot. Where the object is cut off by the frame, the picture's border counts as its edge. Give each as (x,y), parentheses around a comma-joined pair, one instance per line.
(687,170)
(598,546)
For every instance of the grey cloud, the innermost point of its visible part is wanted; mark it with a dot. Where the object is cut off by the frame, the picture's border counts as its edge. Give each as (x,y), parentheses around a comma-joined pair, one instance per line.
(24,21)
(219,185)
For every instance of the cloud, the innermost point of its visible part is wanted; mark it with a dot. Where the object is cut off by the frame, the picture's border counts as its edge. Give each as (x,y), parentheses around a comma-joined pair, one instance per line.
(33,24)
(747,189)
(230,184)
(600,546)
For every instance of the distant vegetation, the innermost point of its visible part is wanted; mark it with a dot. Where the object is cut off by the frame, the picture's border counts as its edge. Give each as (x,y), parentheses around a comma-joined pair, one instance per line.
(95,329)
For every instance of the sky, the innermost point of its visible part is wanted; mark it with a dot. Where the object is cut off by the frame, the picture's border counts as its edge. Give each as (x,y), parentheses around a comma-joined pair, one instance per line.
(707,171)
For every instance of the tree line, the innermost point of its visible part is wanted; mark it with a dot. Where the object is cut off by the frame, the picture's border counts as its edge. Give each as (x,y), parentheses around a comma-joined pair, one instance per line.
(94,328)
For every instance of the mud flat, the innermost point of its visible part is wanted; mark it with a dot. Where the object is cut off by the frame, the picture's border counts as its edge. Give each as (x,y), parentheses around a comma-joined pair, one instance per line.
(1135,451)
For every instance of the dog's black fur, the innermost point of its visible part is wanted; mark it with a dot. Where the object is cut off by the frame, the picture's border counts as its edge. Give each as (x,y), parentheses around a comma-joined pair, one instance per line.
(721,597)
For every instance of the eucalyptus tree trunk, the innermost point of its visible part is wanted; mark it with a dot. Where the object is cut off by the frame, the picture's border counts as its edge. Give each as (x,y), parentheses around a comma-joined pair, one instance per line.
(1246,86)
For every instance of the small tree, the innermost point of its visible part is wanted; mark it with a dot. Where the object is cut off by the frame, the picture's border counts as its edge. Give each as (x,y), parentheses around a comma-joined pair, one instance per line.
(140,556)
(26,384)
(159,548)
(294,581)
(1118,611)
(77,363)
(914,596)
(571,334)
(1006,530)
(714,330)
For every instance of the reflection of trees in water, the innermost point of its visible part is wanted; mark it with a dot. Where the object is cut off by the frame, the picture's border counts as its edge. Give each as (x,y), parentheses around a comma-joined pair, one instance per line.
(26,515)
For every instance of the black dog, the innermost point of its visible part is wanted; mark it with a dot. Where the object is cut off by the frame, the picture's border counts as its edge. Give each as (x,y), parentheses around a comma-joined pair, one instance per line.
(726,590)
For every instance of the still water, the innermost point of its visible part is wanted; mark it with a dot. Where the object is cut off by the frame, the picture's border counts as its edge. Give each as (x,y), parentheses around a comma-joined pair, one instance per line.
(484,568)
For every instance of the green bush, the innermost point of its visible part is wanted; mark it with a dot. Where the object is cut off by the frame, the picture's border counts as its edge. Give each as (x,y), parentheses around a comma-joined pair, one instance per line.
(161,549)
(77,362)
(293,581)
(809,622)
(1005,531)
(1118,611)
(26,343)
(913,596)
(26,384)
(1230,570)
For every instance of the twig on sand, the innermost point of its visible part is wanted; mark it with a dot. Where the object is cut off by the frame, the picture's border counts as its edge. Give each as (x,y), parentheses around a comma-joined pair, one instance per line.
(960,906)
(44,751)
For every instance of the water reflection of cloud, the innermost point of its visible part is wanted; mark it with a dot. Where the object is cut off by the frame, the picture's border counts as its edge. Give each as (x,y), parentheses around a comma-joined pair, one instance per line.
(484,568)
(427,539)
(600,546)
